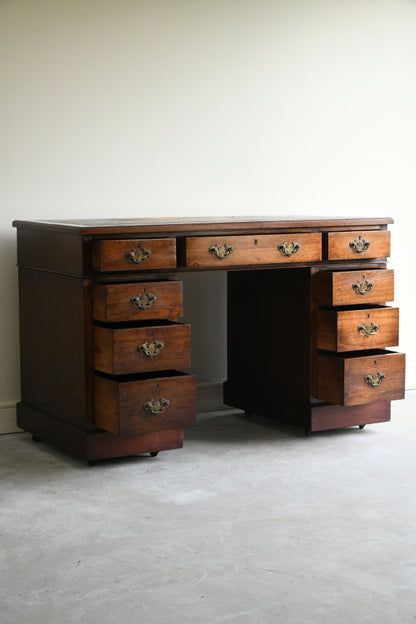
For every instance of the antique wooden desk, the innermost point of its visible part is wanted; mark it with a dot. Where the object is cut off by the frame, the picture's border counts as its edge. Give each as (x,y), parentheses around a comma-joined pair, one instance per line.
(104,356)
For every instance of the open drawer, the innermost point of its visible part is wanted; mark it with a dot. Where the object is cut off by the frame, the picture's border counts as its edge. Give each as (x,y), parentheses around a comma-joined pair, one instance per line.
(358,377)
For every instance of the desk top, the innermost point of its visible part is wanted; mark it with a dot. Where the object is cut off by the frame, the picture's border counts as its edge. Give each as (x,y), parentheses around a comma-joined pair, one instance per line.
(204,224)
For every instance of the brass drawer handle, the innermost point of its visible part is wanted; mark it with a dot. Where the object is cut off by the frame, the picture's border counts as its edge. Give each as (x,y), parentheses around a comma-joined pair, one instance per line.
(369,329)
(156,406)
(289,249)
(375,380)
(363,287)
(150,349)
(360,245)
(221,251)
(139,255)
(144,301)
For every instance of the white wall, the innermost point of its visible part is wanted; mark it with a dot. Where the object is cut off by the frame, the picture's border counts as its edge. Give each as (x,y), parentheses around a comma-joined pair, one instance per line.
(202,107)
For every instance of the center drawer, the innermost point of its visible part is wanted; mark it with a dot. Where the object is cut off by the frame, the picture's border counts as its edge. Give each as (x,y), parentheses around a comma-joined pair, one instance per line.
(263,249)
(134,404)
(123,350)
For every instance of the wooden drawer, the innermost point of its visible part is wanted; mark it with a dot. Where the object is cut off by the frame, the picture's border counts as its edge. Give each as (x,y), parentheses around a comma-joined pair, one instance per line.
(123,350)
(134,254)
(347,379)
(359,328)
(340,288)
(223,251)
(137,301)
(140,404)
(357,245)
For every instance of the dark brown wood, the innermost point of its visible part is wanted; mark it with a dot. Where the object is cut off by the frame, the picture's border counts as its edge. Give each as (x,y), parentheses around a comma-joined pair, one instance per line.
(103,445)
(341,378)
(112,255)
(268,337)
(204,224)
(338,329)
(54,338)
(340,245)
(95,444)
(248,250)
(117,350)
(113,302)
(59,252)
(335,288)
(79,296)
(120,404)
(325,417)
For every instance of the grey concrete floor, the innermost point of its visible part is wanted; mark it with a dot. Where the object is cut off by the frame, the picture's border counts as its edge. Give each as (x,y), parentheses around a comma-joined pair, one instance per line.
(251,522)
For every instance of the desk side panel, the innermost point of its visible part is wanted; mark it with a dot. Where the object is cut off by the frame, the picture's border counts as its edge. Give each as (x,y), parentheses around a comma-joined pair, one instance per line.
(55,337)
(60,252)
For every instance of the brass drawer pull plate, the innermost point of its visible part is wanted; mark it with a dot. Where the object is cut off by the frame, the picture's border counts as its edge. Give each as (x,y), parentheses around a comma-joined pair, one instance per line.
(363,287)
(221,251)
(375,380)
(150,349)
(289,249)
(144,301)
(369,329)
(156,406)
(140,255)
(360,245)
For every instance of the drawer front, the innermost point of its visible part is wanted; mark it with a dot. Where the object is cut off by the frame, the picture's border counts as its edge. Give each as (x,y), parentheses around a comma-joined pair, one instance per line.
(137,301)
(134,254)
(354,380)
(223,251)
(353,330)
(140,349)
(145,405)
(358,245)
(340,288)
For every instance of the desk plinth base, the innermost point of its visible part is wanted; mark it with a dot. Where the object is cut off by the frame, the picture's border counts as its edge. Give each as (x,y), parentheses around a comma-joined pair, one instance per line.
(310,416)
(94,444)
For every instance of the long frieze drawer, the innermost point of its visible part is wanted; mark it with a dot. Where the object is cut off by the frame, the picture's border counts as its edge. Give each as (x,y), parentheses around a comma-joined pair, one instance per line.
(137,301)
(339,288)
(357,245)
(133,254)
(358,328)
(355,379)
(137,404)
(119,351)
(223,251)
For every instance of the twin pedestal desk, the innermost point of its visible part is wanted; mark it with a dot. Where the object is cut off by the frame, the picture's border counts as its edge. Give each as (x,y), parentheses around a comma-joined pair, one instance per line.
(104,356)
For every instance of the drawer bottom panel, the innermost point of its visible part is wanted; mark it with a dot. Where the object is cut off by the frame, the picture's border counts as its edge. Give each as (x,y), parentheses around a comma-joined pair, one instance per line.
(325,417)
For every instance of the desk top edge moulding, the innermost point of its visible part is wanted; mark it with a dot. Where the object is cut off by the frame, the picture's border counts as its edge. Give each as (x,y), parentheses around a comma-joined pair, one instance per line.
(105,357)
(98,226)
